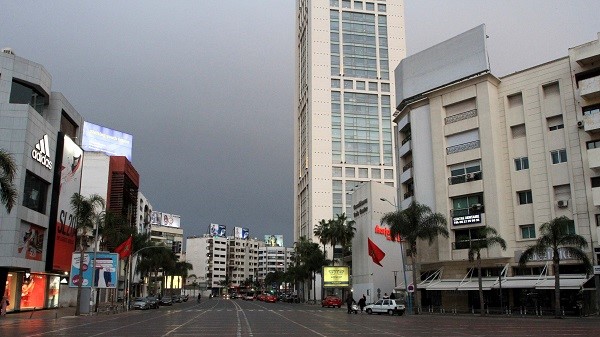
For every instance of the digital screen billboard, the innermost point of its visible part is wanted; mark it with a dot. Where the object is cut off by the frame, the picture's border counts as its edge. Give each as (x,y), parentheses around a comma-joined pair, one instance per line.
(336,276)
(102,139)
(274,240)
(241,233)
(218,230)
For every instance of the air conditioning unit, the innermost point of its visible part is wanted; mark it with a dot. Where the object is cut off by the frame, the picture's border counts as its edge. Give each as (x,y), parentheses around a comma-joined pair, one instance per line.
(580,124)
(470,176)
(563,203)
(477,207)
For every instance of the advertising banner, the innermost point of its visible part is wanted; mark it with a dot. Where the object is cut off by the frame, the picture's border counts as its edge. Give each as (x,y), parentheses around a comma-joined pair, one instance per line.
(33,291)
(31,242)
(274,240)
(155,218)
(218,230)
(70,182)
(241,233)
(106,270)
(102,139)
(336,277)
(170,220)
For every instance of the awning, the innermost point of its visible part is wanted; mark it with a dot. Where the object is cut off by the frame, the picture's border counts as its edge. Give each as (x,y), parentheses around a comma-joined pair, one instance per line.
(473,284)
(441,285)
(518,282)
(566,282)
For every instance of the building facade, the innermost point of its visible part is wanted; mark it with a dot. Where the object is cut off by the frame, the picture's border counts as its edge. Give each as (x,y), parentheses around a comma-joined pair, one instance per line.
(346,52)
(510,153)
(31,117)
(273,259)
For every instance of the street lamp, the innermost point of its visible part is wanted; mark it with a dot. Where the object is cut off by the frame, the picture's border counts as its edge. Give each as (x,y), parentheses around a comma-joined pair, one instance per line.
(403,259)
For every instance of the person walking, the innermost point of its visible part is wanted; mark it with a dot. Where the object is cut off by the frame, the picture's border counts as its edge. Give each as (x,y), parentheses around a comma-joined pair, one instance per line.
(349,301)
(362,303)
(199,297)
(3,304)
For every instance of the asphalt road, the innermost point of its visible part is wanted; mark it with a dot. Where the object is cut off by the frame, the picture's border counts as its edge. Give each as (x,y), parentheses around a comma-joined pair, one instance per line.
(221,317)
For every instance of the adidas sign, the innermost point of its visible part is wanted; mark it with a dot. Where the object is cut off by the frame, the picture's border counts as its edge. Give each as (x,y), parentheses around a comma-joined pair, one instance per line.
(41,153)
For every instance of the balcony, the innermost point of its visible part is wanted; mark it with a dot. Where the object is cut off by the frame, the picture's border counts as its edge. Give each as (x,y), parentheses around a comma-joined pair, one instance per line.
(471,176)
(464,244)
(406,175)
(462,147)
(594,158)
(470,216)
(461,116)
(590,87)
(405,148)
(591,122)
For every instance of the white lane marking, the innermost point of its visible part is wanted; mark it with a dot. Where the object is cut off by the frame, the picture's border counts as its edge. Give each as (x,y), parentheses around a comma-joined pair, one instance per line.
(239,309)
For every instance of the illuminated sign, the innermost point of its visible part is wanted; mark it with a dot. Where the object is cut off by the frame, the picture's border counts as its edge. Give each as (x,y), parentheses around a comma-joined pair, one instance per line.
(41,153)
(102,139)
(387,232)
(336,276)
(467,219)
(274,240)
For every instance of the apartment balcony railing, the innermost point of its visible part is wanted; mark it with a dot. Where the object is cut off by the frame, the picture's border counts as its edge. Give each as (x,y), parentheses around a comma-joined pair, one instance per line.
(409,194)
(407,166)
(406,140)
(465,244)
(463,178)
(461,116)
(462,147)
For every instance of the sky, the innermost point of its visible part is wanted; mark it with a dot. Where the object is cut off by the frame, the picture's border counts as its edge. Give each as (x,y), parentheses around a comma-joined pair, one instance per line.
(206,88)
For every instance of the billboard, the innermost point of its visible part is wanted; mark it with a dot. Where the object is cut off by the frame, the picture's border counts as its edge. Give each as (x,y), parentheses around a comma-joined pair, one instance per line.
(70,181)
(336,277)
(155,218)
(102,139)
(241,233)
(105,276)
(457,58)
(31,242)
(274,240)
(170,220)
(218,230)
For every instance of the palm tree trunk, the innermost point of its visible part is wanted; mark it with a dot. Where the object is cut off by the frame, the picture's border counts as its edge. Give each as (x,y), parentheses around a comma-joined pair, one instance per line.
(417,301)
(555,264)
(80,276)
(481,302)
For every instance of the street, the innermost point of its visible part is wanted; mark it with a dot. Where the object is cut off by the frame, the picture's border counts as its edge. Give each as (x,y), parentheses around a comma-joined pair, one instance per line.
(221,317)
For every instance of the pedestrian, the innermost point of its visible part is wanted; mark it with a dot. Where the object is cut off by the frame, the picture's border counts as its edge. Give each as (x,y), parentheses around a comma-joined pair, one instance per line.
(199,297)
(385,296)
(349,301)
(362,302)
(3,304)
(392,296)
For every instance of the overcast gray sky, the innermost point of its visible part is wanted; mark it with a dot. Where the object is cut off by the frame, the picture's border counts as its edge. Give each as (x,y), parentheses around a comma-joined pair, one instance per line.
(206,87)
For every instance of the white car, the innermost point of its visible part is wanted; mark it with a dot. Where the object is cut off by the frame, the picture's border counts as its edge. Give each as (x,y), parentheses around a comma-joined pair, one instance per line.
(388,306)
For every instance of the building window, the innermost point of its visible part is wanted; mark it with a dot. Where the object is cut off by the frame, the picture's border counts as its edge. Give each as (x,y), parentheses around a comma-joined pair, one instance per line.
(556,127)
(528,232)
(465,237)
(558,156)
(23,94)
(370,6)
(521,163)
(348,84)
(346,4)
(591,110)
(335,83)
(471,204)
(464,172)
(372,86)
(381,8)
(334,3)
(595,182)
(525,197)
(388,174)
(594,144)
(350,172)
(34,195)
(363,173)
(376,173)
(385,87)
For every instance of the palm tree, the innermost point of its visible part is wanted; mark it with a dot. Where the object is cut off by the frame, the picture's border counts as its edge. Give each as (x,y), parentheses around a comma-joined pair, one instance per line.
(348,231)
(8,169)
(86,214)
(323,232)
(417,222)
(486,237)
(555,235)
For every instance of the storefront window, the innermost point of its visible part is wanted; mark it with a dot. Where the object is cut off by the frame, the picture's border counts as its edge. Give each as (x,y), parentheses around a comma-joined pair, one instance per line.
(33,291)
(9,290)
(53,291)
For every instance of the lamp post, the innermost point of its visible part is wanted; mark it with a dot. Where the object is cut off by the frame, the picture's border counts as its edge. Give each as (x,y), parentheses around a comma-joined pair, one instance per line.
(408,296)
(95,293)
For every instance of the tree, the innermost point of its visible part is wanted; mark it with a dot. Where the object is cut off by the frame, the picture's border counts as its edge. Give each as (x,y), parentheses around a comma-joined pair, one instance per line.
(556,235)
(323,232)
(8,169)
(347,232)
(338,231)
(86,214)
(417,222)
(309,260)
(486,237)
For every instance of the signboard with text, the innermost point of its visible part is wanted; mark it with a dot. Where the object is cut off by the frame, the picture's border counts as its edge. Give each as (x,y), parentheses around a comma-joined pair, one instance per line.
(336,277)
(106,267)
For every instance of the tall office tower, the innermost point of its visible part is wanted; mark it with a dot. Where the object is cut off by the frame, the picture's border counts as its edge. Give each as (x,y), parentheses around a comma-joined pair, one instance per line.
(346,52)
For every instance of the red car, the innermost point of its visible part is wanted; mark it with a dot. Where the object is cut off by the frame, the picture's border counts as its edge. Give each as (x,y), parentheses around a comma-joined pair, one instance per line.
(331,301)
(270,298)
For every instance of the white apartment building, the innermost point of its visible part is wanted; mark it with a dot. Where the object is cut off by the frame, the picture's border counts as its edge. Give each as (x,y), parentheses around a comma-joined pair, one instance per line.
(272,259)
(511,153)
(346,52)
(243,260)
(208,257)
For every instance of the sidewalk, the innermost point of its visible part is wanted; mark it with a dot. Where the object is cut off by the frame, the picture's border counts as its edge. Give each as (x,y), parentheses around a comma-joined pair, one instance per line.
(38,314)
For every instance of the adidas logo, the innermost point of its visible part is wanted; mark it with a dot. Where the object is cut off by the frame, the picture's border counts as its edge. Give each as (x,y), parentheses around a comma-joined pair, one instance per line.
(41,153)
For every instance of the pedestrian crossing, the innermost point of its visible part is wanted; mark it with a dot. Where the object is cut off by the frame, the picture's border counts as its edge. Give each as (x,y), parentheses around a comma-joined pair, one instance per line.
(254,310)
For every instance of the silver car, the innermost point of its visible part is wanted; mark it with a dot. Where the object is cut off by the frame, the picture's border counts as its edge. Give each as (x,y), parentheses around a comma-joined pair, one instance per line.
(141,303)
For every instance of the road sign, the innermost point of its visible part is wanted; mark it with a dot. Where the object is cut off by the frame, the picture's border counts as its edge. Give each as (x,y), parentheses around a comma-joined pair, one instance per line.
(410,288)
(596,270)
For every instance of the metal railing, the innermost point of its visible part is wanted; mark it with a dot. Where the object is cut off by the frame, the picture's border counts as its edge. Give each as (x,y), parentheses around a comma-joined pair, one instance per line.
(462,147)
(461,116)
(407,166)
(463,178)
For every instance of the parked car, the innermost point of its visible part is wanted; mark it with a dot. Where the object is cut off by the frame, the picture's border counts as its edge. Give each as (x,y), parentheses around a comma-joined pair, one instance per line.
(185,297)
(331,301)
(270,298)
(176,299)
(233,296)
(389,306)
(153,302)
(166,300)
(141,303)
(249,297)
